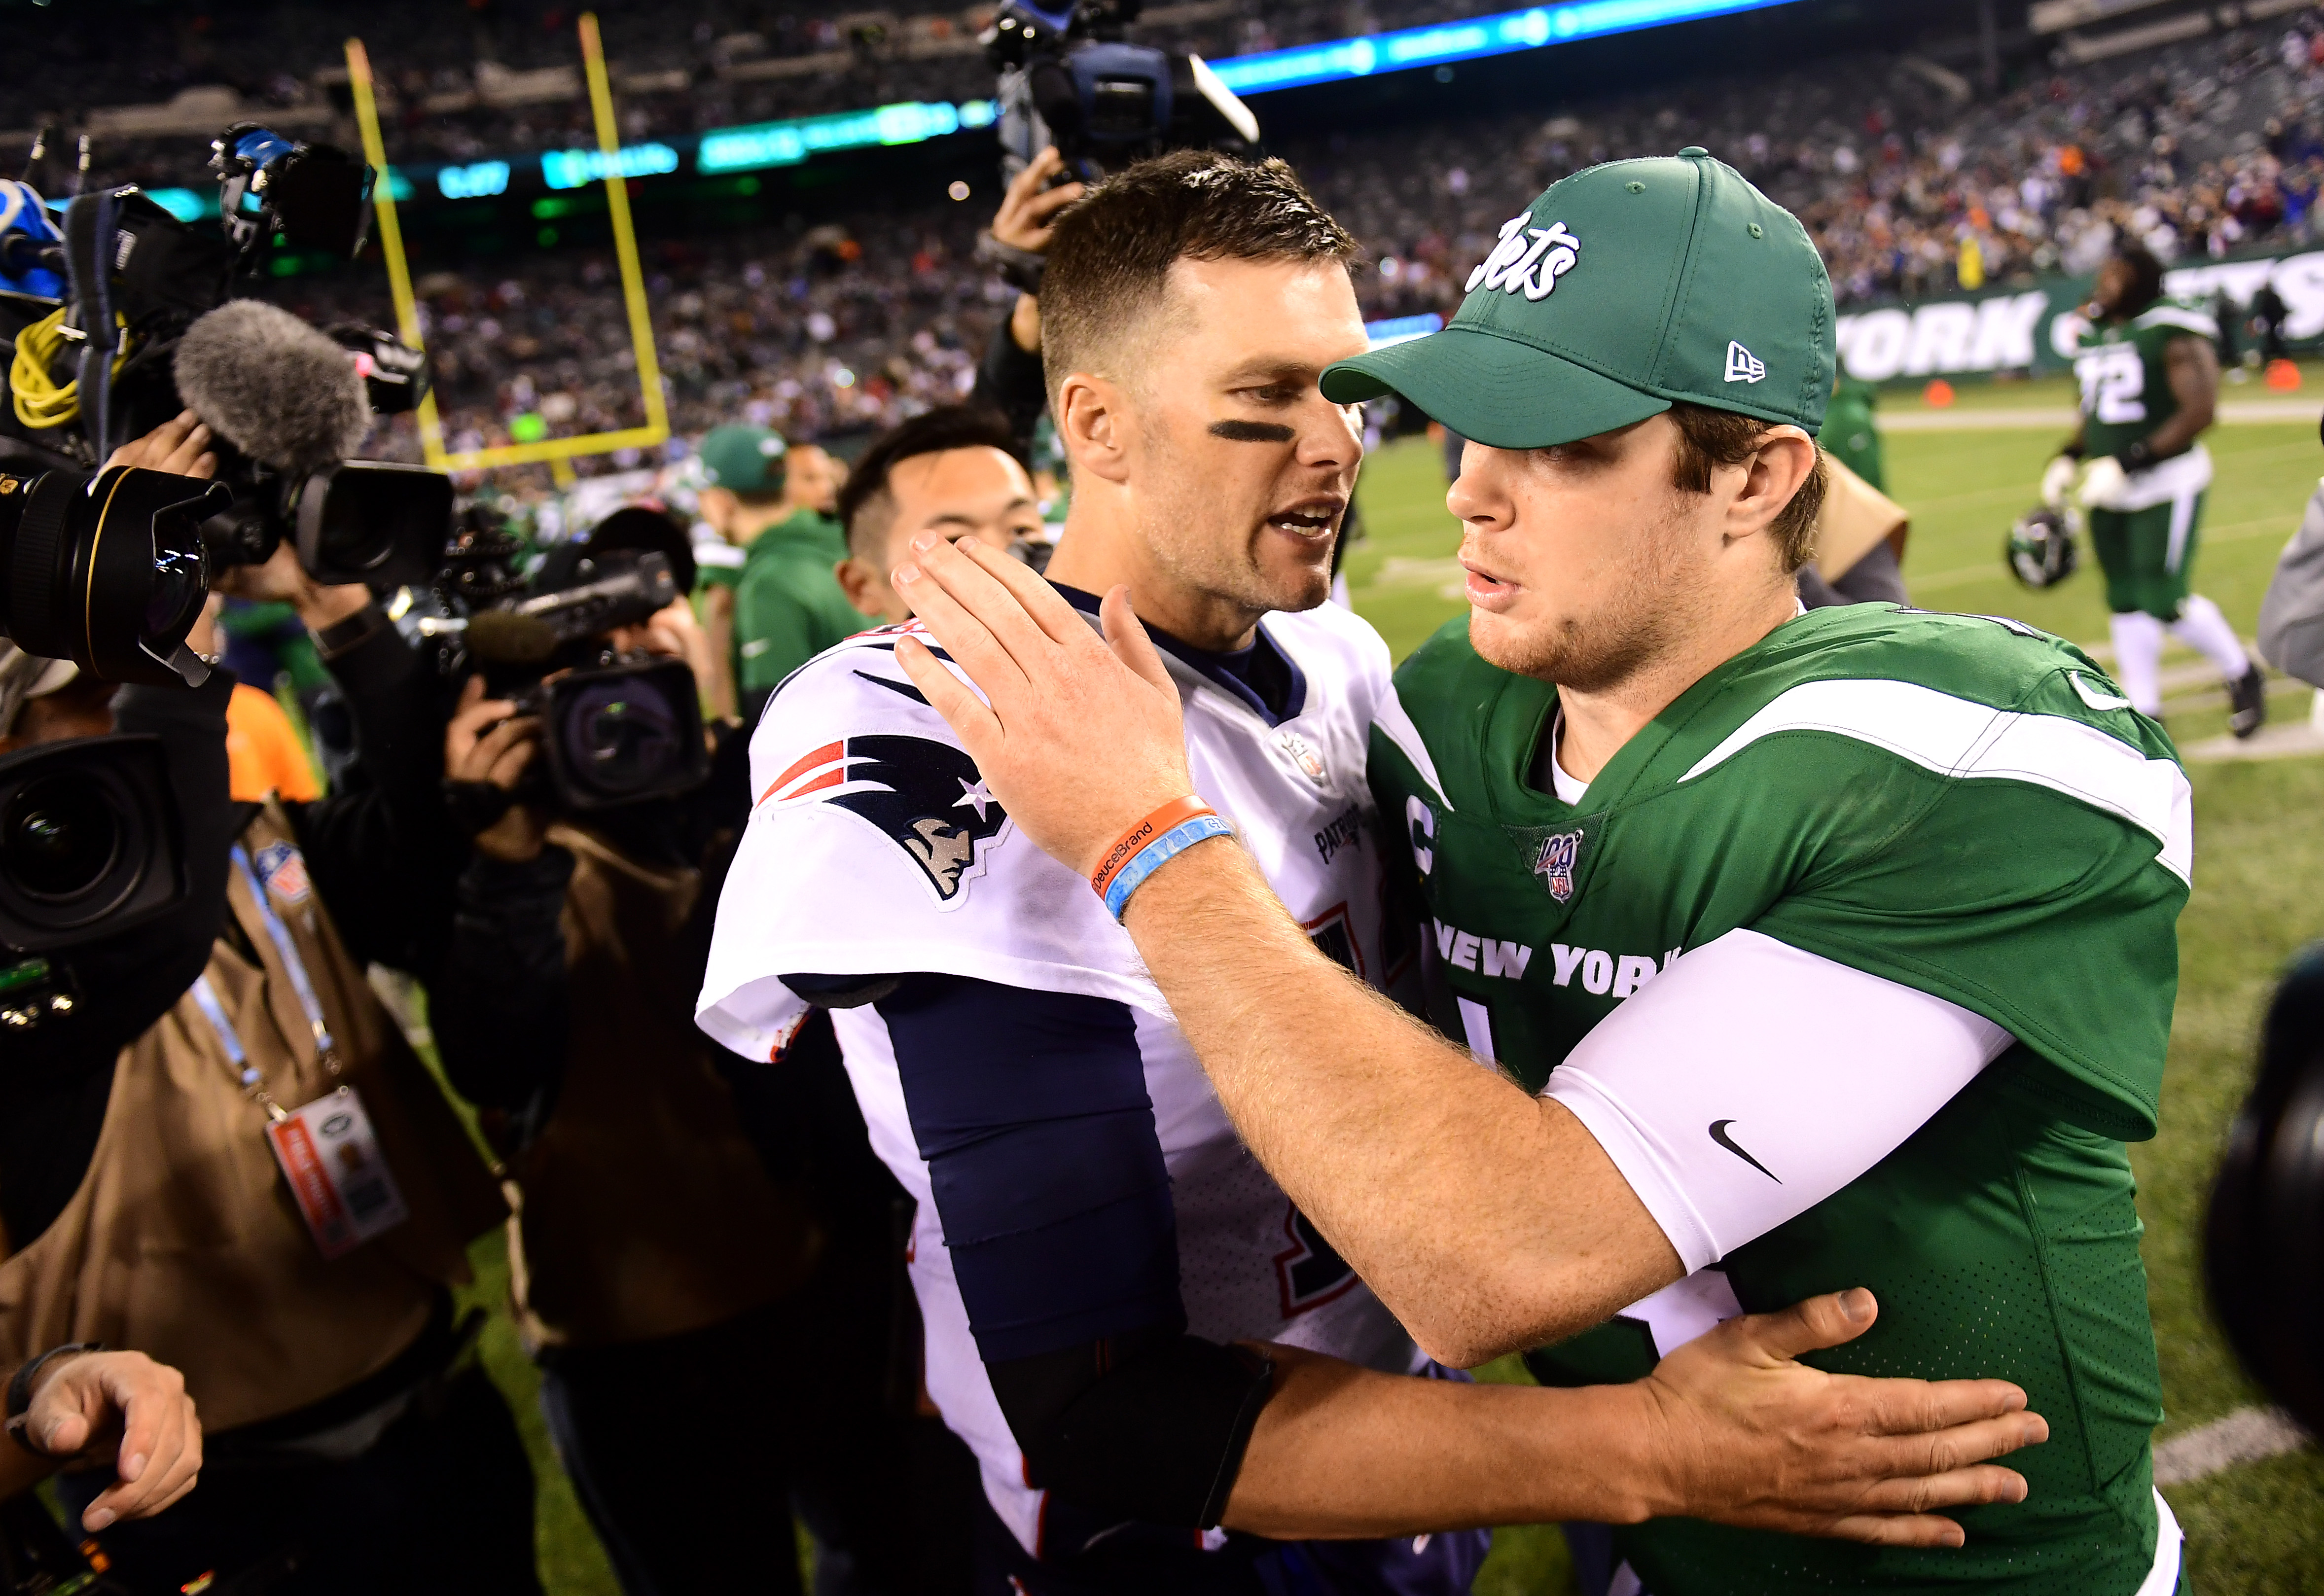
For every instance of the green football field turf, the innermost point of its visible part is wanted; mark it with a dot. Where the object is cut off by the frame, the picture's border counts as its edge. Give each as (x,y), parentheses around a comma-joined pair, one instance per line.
(2259,893)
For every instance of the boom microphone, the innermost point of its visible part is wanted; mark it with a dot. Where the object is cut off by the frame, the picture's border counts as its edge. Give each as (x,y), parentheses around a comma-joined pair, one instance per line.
(279,390)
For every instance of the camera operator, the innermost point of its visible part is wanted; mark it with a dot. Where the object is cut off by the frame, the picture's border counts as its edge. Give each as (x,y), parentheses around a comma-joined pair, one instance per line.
(707,1255)
(352,1447)
(1009,379)
(143,971)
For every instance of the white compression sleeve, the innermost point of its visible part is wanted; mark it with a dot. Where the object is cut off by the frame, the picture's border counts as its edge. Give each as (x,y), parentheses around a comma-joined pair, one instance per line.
(1749,1081)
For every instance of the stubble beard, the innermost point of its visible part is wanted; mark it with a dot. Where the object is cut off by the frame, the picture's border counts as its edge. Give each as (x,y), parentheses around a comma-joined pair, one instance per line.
(1186,538)
(1652,603)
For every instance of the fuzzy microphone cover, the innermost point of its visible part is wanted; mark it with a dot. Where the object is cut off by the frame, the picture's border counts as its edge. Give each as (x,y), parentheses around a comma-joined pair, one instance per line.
(277,389)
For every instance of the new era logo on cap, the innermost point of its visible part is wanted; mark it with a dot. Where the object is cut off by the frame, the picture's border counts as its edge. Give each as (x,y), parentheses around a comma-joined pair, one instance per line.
(1742,365)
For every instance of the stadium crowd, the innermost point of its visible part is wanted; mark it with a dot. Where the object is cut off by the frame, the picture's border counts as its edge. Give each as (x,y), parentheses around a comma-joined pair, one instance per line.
(2196,150)
(453,70)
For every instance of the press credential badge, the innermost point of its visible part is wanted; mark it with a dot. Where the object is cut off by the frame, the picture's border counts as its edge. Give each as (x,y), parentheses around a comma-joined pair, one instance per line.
(337,1175)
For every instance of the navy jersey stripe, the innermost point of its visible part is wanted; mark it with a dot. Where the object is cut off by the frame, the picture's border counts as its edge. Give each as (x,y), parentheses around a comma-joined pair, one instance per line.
(1031,1111)
(1264,677)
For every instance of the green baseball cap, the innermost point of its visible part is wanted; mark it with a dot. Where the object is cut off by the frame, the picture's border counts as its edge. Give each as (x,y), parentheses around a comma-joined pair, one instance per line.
(742,459)
(1621,288)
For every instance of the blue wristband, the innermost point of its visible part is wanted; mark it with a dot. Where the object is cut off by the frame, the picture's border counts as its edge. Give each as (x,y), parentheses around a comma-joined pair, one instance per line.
(1158,853)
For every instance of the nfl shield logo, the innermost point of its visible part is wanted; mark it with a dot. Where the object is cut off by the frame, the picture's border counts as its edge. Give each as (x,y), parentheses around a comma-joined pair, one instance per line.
(283,869)
(1554,864)
(1305,755)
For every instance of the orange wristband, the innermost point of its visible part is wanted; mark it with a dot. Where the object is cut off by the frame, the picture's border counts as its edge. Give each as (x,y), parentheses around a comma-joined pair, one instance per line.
(1126,848)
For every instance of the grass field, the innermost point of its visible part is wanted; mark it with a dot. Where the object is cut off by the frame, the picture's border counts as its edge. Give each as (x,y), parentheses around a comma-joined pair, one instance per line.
(2259,893)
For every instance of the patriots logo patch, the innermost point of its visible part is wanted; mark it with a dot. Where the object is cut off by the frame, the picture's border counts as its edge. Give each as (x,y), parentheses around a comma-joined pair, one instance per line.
(924,796)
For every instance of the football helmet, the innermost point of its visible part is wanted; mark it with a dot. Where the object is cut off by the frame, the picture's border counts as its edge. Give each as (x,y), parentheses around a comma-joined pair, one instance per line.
(2040,550)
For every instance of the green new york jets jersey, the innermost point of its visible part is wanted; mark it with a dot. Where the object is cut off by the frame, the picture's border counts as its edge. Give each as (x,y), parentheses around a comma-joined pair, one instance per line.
(2125,387)
(1958,804)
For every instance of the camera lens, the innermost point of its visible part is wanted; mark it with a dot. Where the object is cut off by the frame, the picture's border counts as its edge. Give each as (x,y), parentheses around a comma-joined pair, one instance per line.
(623,736)
(179,591)
(106,573)
(625,733)
(372,520)
(87,843)
(60,836)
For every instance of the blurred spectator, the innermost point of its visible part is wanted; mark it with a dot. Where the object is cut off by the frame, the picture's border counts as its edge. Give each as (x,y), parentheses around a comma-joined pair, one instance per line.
(2267,313)
(268,649)
(1849,432)
(787,606)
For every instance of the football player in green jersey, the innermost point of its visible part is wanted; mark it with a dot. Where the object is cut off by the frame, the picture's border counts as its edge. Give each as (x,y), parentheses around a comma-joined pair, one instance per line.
(2150,382)
(1809,949)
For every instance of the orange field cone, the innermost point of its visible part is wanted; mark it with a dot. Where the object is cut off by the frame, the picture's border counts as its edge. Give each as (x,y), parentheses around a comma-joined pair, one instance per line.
(1939,393)
(2283,376)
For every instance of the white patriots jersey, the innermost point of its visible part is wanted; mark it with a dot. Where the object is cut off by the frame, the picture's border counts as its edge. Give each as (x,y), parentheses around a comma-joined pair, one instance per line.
(874,849)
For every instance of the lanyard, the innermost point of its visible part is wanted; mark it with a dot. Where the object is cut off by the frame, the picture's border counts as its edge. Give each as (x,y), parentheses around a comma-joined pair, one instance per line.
(326,1053)
(252,1083)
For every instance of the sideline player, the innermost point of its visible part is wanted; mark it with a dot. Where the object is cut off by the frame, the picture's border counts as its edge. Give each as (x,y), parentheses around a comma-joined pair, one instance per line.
(2150,381)
(1848,936)
(1140,1335)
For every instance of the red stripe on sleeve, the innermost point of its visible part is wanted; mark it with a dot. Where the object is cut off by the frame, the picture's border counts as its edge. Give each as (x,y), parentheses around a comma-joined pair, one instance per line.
(805,762)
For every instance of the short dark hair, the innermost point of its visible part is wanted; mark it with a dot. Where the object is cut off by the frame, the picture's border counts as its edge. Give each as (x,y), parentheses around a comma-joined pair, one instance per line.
(1114,248)
(865,502)
(2145,277)
(1708,438)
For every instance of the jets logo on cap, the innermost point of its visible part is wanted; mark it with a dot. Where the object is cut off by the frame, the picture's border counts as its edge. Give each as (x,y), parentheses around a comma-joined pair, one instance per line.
(1742,365)
(1528,260)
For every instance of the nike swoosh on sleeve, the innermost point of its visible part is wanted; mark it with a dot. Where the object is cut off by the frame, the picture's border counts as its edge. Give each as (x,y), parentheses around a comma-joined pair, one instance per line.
(1718,1134)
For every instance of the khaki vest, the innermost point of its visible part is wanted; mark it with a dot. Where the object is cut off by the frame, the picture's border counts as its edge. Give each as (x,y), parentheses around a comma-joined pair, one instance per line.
(646,1211)
(183,1242)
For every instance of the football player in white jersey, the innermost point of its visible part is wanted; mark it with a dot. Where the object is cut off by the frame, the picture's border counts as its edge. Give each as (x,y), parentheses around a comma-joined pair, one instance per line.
(1171,1381)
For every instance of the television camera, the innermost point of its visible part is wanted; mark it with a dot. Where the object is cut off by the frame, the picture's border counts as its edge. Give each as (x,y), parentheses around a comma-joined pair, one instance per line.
(122,316)
(1070,76)
(618,728)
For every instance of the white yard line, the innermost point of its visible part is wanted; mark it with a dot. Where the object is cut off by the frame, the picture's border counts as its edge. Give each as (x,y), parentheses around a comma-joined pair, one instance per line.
(2232,412)
(2244,1436)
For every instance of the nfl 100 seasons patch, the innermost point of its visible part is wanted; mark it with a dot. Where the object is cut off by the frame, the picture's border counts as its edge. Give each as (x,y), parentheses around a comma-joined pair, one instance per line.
(1554,855)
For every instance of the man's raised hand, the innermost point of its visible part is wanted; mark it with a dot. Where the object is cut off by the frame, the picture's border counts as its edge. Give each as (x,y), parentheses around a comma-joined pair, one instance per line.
(1754,1437)
(180,445)
(1028,210)
(1079,739)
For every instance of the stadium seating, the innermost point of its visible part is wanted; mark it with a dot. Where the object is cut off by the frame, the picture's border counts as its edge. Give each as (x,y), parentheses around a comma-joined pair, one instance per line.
(468,81)
(2202,146)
